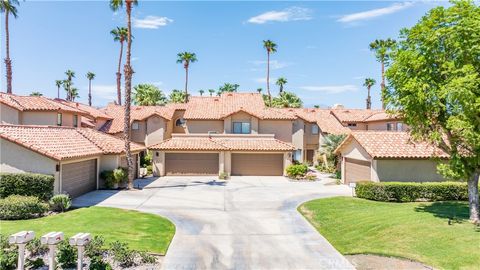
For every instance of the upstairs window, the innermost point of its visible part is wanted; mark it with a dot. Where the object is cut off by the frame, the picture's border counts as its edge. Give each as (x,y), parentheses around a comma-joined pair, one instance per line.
(180,122)
(390,127)
(135,125)
(241,127)
(399,126)
(315,130)
(352,124)
(59,119)
(75,120)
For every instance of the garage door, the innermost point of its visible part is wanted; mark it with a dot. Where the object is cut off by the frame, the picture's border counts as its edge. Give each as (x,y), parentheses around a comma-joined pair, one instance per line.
(356,170)
(191,163)
(257,164)
(79,177)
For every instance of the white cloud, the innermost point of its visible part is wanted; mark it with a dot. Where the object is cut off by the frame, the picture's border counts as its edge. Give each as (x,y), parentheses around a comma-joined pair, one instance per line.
(134,59)
(106,91)
(370,14)
(151,22)
(264,80)
(331,89)
(274,64)
(286,15)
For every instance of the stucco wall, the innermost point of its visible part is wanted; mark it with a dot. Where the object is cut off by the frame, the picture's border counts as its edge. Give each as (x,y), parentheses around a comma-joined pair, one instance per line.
(39,118)
(171,128)
(139,134)
(355,150)
(9,115)
(109,162)
(281,128)
(298,133)
(382,125)
(155,130)
(408,170)
(310,138)
(242,117)
(99,123)
(204,126)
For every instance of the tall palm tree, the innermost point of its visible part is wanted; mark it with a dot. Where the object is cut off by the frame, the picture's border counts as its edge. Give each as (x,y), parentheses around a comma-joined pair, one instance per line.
(201,91)
(186,58)
(211,91)
(287,100)
(271,47)
(382,49)
(90,77)
(228,87)
(8,7)
(67,84)
(128,72)
(281,82)
(58,83)
(369,82)
(120,34)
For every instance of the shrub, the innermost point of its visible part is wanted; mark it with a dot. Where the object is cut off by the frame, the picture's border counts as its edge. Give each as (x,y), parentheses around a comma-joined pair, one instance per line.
(146,160)
(147,258)
(108,179)
(326,169)
(120,175)
(66,255)
(311,176)
(97,263)
(149,169)
(122,254)
(223,176)
(34,263)
(297,170)
(36,248)
(411,191)
(21,207)
(26,184)
(8,254)
(95,247)
(60,203)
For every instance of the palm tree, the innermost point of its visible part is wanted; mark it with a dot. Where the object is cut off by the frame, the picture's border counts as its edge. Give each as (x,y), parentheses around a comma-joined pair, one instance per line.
(211,91)
(120,34)
(8,7)
(67,84)
(271,47)
(228,87)
(281,82)
(259,90)
(58,83)
(90,77)
(382,49)
(369,82)
(316,106)
(186,58)
(36,94)
(128,71)
(74,93)
(177,96)
(329,144)
(148,95)
(201,91)
(287,100)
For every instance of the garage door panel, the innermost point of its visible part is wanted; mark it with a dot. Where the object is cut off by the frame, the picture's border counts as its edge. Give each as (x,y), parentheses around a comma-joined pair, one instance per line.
(79,177)
(191,163)
(257,164)
(357,170)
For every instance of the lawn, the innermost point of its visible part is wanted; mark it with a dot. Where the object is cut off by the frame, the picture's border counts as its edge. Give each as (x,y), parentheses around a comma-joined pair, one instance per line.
(417,231)
(141,231)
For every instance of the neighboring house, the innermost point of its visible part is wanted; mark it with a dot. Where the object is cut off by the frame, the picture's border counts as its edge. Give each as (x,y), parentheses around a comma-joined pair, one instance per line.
(361,119)
(74,156)
(95,118)
(388,156)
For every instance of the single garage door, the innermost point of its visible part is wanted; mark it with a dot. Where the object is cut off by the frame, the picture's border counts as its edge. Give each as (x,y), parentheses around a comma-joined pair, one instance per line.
(191,163)
(356,170)
(257,164)
(79,177)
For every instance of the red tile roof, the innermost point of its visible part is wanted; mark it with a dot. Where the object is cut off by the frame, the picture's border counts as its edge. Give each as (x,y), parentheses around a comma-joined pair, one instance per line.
(61,143)
(328,123)
(353,115)
(92,111)
(34,103)
(381,116)
(388,144)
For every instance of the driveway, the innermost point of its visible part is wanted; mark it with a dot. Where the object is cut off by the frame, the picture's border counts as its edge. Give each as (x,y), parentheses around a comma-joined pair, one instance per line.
(243,223)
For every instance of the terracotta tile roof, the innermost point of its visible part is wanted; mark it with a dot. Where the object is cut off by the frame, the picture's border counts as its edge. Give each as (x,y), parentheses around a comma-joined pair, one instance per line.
(255,144)
(86,122)
(353,115)
(388,144)
(307,114)
(195,143)
(34,103)
(92,111)
(328,123)
(381,116)
(61,143)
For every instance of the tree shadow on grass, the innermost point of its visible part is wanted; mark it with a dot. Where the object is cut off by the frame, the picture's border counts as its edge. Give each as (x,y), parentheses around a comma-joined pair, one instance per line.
(454,212)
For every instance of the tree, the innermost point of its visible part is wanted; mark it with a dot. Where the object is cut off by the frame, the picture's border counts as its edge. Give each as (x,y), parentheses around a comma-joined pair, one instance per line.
(68,83)
(316,106)
(74,93)
(201,91)
(90,77)
(382,49)
(211,91)
(120,34)
(281,82)
(186,58)
(369,82)
(36,94)
(176,96)
(434,85)
(128,72)
(271,47)
(148,95)
(327,148)
(228,87)
(287,100)
(58,83)
(259,90)
(8,7)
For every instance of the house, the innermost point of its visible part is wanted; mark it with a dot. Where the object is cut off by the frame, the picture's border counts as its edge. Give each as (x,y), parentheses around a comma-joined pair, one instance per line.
(388,156)
(95,118)
(74,156)
(362,119)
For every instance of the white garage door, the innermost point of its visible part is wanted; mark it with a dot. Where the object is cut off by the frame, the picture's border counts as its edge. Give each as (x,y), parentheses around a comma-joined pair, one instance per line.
(357,170)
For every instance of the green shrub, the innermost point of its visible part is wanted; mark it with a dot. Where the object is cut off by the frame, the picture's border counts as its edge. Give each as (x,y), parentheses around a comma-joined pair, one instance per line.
(412,191)
(147,258)
(36,248)
(149,169)
(223,176)
(21,207)
(60,203)
(95,247)
(108,179)
(97,263)
(120,175)
(26,184)
(34,263)
(66,255)
(146,160)
(8,254)
(297,170)
(122,254)
(325,169)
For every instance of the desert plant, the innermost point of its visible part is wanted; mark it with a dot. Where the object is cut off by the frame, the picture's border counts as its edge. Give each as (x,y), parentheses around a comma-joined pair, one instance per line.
(21,207)
(60,203)
(34,263)
(66,255)
(36,248)
(147,258)
(120,175)
(297,170)
(122,254)
(8,254)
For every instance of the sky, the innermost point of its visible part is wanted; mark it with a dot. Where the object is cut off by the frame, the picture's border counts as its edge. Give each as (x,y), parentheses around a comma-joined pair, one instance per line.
(322,49)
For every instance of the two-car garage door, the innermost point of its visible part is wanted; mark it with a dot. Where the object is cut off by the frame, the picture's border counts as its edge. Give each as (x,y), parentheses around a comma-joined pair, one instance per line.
(357,170)
(79,177)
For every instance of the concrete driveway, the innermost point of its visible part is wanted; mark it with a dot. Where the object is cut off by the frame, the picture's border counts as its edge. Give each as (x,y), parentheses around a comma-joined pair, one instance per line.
(244,223)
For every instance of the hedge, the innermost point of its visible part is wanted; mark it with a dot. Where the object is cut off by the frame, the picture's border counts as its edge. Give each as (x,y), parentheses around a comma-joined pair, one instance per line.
(27,184)
(21,207)
(411,191)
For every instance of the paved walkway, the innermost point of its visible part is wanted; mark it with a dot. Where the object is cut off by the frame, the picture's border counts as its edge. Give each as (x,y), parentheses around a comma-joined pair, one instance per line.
(244,223)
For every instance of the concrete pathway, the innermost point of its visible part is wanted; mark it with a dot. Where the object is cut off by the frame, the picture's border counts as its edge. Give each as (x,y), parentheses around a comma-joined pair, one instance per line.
(243,223)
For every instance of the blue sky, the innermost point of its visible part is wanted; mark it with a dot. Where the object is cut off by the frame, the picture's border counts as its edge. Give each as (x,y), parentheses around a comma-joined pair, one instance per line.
(322,46)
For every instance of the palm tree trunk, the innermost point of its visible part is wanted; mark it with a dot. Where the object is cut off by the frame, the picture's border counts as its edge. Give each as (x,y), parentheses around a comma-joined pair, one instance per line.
(186,84)
(119,76)
(8,62)
(89,92)
(473,197)
(128,87)
(369,100)
(382,86)
(268,79)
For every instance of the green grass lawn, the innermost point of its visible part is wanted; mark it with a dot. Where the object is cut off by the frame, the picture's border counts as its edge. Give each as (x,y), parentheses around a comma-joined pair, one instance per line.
(141,231)
(417,231)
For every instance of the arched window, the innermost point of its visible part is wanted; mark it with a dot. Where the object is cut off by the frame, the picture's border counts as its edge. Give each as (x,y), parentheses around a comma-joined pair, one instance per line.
(180,122)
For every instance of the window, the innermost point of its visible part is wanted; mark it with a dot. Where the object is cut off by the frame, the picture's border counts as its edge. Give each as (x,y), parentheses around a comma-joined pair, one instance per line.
(135,125)
(297,155)
(390,126)
(399,126)
(59,119)
(352,124)
(241,127)
(75,120)
(180,122)
(315,129)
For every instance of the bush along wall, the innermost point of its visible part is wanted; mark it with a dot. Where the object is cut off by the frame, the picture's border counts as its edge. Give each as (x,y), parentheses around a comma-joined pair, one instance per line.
(26,184)
(412,191)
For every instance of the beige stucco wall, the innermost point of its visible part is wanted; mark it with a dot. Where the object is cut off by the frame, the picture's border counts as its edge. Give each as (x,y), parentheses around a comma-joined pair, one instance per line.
(204,126)
(171,128)
(310,138)
(408,170)
(46,118)
(382,125)
(109,162)
(355,150)
(281,128)
(9,115)
(139,134)
(155,130)
(99,122)
(298,134)
(241,117)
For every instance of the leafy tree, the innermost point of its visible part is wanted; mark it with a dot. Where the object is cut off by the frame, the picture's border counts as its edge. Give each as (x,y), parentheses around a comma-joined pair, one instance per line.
(281,82)
(90,77)
(8,7)
(120,34)
(228,87)
(58,83)
(176,96)
(201,91)
(383,49)
(434,83)
(36,94)
(211,91)
(287,100)
(328,146)
(271,47)
(128,72)
(369,82)
(186,58)
(148,95)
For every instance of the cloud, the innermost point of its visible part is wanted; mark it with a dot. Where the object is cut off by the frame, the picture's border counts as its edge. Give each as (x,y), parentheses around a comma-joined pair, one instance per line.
(274,64)
(151,22)
(331,89)
(286,15)
(264,80)
(105,91)
(134,59)
(370,14)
